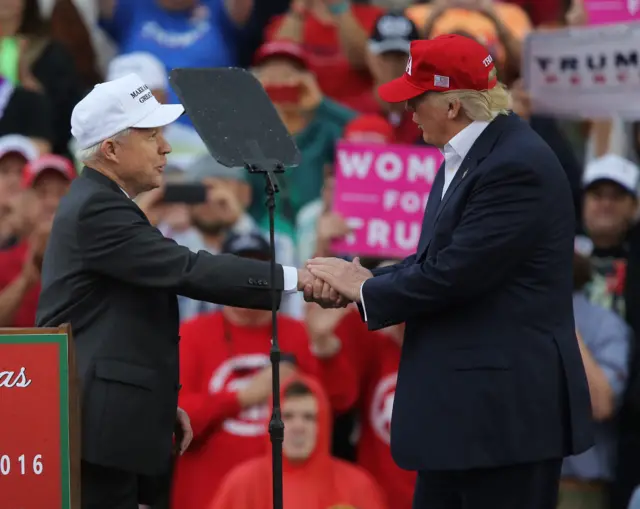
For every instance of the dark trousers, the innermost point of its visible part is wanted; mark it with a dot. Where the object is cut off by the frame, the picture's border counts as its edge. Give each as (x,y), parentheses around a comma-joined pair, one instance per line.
(526,486)
(109,488)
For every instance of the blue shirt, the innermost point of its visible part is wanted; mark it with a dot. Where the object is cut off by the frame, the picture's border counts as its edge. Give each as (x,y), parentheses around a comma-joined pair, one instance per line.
(201,37)
(608,338)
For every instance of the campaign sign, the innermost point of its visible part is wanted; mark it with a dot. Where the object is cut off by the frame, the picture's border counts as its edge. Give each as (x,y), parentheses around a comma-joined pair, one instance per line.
(588,72)
(381,191)
(35,432)
(607,12)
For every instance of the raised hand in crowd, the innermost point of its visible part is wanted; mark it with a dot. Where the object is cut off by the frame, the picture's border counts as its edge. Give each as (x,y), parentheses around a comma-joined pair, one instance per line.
(258,390)
(577,14)
(37,245)
(331,226)
(321,324)
(25,64)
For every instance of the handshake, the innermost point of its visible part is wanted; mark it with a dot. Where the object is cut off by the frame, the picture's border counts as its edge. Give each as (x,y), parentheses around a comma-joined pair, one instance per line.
(332,282)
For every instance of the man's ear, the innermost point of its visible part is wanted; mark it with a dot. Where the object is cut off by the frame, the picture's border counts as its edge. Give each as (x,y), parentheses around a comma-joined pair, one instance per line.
(108,150)
(454,109)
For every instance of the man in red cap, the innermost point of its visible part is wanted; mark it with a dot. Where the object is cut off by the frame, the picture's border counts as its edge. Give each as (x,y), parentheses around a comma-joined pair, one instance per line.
(491,391)
(45,181)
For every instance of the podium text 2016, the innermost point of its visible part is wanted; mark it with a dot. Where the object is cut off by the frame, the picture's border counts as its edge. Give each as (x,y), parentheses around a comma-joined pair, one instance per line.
(39,443)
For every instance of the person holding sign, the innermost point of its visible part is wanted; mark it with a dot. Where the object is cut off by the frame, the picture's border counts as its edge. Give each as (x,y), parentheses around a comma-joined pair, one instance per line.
(491,391)
(115,279)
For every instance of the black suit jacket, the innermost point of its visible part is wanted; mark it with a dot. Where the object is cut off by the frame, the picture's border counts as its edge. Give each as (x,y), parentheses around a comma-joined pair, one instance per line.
(490,373)
(115,278)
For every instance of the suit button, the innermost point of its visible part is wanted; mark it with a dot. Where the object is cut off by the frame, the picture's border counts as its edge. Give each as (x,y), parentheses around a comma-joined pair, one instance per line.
(252,281)
(263,282)
(178,387)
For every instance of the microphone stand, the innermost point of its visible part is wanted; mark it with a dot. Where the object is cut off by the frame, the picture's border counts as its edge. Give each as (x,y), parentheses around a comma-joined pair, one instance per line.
(276,426)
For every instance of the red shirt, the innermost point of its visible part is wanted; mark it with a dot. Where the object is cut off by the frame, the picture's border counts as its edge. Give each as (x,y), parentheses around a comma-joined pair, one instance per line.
(375,357)
(321,42)
(11,263)
(216,359)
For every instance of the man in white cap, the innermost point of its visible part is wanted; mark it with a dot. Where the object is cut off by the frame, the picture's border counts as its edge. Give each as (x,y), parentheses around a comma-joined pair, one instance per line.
(115,279)
(186,144)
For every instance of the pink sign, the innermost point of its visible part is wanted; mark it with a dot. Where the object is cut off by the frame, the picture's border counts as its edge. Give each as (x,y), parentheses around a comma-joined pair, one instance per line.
(607,12)
(381,191)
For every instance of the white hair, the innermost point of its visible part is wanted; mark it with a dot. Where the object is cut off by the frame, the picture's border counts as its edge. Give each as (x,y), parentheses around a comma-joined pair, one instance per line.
(482,105)
(90,153)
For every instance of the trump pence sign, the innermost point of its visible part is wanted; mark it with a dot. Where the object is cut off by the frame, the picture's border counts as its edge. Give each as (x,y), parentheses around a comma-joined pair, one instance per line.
(382,190)
(35,431)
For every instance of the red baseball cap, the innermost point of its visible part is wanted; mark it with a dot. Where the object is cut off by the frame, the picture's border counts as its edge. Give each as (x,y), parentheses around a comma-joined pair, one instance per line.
(286,49)
(369,128)
(47,162)
(448,62)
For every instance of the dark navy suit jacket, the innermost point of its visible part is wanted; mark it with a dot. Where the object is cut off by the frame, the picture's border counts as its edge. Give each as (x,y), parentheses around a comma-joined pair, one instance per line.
(490,373)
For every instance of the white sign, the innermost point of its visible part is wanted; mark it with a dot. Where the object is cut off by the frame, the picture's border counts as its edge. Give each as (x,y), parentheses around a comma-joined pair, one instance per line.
(589,72)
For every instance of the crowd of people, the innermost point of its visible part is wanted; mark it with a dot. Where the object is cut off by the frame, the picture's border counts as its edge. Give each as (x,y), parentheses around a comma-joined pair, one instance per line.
(320,62)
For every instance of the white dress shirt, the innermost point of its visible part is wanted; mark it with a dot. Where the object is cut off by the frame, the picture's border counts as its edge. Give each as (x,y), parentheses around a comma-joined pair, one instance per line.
(454,153)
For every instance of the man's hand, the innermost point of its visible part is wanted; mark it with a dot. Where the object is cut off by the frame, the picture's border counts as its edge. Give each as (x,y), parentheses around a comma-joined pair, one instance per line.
(341,276)
(316,290)
(304,279)
(183,431)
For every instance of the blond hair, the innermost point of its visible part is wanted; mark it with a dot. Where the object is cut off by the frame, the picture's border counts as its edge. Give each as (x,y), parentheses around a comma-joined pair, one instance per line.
(482,105)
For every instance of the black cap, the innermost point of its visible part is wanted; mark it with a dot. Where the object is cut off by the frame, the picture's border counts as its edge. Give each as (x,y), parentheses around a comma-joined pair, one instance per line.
(393,32)
(252,245)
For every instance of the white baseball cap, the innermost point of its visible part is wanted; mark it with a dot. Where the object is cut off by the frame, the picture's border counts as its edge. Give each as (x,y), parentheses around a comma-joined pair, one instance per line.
(117,105)
(17,144)
(614,168)
(148,67)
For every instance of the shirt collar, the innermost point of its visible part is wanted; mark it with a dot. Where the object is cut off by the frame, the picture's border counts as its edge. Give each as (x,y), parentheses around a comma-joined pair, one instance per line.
(462,142)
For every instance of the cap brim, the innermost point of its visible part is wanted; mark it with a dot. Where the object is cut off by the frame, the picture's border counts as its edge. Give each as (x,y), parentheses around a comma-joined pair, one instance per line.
(599,179)
(163,115)
(384,46)
(399,90)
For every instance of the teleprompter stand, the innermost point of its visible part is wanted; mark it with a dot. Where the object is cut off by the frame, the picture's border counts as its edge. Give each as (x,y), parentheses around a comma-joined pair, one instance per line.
(241,129)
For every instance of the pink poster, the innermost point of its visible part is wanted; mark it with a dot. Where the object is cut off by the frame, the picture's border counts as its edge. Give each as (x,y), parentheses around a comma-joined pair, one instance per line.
(381,190)
(607,12)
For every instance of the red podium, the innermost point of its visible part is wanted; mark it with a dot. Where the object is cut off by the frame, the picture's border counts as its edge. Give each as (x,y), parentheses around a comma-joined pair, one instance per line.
(39,420)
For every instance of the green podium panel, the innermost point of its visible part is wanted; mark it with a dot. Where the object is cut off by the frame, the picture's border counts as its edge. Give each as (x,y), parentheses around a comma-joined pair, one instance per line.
(39,443)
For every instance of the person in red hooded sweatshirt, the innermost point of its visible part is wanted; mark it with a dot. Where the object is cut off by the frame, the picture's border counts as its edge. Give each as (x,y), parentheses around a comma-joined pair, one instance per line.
(225,374)
(374,359)
(312,478)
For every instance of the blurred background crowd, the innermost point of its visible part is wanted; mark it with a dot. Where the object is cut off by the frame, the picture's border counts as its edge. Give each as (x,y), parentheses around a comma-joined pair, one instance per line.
(320,62)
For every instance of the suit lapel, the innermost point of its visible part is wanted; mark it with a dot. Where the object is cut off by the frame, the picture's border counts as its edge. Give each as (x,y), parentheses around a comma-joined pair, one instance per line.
(479,151)
(435,195)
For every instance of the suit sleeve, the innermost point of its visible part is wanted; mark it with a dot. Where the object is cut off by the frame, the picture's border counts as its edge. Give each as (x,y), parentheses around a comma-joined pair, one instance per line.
(117,241)
(381,271)
(389,269)
(498,228)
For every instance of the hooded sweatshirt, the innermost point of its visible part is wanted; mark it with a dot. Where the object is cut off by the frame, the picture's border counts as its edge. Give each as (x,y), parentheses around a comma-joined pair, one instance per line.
(216,358)
(375,358)
(320,482)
